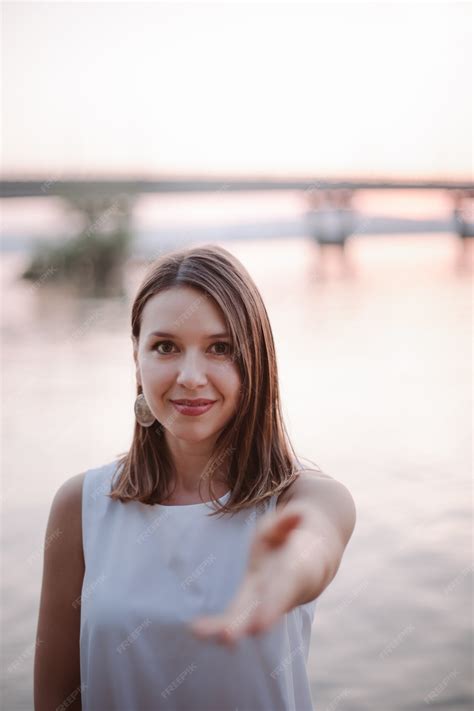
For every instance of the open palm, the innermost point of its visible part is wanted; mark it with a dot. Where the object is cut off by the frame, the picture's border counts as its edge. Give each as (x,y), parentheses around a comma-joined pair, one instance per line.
(267,590)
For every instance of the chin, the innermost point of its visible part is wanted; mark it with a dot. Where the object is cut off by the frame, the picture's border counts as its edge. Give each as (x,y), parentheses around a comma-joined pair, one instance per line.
(193,433)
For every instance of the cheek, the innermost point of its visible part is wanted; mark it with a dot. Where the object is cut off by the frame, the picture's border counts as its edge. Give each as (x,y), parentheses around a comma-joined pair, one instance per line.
(155,383)
(227,380)
(155,371)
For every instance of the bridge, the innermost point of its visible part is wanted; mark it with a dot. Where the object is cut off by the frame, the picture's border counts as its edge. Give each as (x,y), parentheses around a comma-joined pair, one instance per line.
(329,218)
(113,187)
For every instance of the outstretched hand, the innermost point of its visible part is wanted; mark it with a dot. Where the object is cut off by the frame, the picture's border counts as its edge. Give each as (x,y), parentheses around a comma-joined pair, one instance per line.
(268,589)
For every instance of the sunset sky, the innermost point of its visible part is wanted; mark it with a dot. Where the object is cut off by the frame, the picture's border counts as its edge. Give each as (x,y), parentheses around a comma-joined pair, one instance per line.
(237,88)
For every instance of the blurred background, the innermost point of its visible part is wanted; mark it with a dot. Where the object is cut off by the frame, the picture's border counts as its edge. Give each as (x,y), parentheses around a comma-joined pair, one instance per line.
(329,147)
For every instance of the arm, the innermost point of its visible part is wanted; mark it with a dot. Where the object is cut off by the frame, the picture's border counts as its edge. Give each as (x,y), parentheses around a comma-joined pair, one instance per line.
(295,554)
(326,518)
(57,658)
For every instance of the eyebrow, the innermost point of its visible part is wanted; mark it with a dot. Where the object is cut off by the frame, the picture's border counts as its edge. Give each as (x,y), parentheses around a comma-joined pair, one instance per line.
(163,334)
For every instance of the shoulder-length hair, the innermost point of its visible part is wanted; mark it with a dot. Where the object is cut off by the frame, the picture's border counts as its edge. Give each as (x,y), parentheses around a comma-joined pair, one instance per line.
(254,445)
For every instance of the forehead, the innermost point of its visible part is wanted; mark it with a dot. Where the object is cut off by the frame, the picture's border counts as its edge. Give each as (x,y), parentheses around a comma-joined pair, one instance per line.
(182,310)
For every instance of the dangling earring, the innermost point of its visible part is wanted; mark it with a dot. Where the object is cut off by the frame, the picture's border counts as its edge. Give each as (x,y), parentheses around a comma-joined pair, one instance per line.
(143,414)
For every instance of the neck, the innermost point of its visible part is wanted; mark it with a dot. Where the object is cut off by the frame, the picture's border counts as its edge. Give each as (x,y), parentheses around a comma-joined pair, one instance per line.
(191,463)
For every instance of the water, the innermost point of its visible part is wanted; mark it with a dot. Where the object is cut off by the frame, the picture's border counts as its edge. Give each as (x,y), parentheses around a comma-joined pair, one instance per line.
(375,375)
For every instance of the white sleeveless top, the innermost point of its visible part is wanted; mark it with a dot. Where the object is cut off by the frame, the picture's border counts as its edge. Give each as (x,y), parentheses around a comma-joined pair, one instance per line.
(150,570)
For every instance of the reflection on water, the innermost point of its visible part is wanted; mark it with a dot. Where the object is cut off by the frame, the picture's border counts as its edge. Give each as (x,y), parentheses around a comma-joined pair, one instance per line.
(375,372)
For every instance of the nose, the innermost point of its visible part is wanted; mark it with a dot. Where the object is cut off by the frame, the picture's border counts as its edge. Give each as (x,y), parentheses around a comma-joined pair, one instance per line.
(192,372)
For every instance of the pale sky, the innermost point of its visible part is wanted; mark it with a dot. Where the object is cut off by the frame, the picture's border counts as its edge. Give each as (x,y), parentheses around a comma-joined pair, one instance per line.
(237,88)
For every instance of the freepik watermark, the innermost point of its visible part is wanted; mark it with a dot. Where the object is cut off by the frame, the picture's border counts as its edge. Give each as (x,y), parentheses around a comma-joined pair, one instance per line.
(439,688)
(50,181)
(458,579)
(179,680)
(217,463)
(287,661)
(89,590)
(239,619)
(71,698)
(50,539)
(105,219)
(134,635)
(162,426)
(350,598)
(337,699)
(152,527)
(26,654)
(43,278)
(396,641)
(103,488)
(86,324)
(198,571)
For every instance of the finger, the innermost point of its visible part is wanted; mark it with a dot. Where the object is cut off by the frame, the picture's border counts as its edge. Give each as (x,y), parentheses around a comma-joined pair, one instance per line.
(260,618)
(233,624)
(206,625)
(217,630)
(260,622)
(243,603)
(228,629)
(278,530)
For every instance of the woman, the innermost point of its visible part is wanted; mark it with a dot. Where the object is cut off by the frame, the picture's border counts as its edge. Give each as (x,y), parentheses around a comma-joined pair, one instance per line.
(187,571)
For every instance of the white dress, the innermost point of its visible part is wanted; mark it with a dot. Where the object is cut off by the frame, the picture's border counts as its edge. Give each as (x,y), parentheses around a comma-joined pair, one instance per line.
(149,571)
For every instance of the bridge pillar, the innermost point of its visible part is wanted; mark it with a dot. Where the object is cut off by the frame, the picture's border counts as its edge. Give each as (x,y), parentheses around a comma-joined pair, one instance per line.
(463,226)
(330,221)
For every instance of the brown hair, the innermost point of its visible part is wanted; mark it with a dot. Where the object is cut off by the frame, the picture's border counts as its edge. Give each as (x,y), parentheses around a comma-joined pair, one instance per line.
(254,443)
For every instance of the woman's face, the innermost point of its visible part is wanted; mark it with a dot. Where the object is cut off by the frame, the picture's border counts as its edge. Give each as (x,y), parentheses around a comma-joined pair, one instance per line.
(190,362)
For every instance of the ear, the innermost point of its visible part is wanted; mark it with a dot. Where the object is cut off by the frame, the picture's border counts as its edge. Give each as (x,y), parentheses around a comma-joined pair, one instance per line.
(135,358)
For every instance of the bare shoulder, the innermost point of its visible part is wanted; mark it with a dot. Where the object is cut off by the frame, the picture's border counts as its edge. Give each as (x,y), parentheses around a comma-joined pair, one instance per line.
(328,497)
(70,491)
(65,517)
(306,478)
(68,497)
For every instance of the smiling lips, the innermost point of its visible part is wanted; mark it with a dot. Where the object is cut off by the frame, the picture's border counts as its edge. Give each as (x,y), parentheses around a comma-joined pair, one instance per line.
(193,407)
(193,403)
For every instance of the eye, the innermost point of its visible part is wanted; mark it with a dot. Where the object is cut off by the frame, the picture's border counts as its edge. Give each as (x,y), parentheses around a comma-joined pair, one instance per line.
(226,347)
(222,343)
(160,343)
